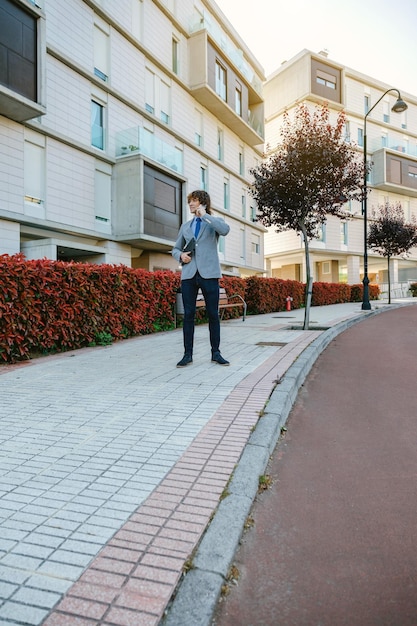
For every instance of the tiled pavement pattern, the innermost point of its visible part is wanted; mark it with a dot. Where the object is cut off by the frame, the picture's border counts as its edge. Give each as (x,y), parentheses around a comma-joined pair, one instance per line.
(112,462)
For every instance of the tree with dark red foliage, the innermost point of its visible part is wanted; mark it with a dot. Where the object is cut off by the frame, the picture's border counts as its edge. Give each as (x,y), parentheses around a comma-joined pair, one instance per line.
(390,235)
(311,174)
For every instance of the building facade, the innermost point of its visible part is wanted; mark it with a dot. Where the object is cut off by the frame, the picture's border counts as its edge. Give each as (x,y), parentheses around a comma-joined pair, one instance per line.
(110,114)
(337,255)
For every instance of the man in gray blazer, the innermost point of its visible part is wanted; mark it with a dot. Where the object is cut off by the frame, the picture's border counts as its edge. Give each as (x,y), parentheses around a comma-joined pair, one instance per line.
(196,251)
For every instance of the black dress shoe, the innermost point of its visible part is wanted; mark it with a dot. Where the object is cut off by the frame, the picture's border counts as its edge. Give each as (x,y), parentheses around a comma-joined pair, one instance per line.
(217,358)
(186,360)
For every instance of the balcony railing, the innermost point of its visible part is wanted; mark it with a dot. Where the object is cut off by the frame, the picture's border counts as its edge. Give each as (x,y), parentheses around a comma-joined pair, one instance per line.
(391,144)
(138,140)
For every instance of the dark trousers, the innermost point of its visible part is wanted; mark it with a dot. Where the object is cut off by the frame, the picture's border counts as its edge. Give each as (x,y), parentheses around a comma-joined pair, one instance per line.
(210,289)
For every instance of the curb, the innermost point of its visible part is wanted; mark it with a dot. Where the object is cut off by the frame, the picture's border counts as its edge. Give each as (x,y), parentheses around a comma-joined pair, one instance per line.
(198,593)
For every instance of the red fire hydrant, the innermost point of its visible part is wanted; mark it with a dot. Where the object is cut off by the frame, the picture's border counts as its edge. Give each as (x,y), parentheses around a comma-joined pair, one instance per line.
(288,300)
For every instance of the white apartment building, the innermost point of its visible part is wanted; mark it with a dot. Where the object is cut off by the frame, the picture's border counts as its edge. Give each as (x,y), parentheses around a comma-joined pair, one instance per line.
(337,255)
(111,112)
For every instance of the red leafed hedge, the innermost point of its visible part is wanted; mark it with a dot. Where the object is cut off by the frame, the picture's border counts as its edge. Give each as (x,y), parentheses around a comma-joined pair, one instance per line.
(265,295)
(52,306)
(48,306)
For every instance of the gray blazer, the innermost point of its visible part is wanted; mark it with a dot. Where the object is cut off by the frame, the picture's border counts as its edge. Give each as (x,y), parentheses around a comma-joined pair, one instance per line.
(205,257)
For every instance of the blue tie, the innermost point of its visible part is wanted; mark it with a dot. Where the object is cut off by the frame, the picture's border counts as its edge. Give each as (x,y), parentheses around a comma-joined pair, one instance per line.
(197,226)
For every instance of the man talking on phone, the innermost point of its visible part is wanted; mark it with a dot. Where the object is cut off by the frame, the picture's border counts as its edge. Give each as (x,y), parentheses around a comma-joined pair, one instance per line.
(196,251)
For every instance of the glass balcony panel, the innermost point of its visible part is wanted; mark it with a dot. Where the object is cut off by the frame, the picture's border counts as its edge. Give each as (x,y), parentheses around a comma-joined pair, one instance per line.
(138,140)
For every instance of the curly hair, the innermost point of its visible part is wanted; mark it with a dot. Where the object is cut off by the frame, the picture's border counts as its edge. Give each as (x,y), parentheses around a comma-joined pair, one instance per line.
(203,198)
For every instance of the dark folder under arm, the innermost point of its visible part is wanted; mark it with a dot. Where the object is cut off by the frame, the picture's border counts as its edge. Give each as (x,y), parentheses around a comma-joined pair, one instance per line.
(190,246)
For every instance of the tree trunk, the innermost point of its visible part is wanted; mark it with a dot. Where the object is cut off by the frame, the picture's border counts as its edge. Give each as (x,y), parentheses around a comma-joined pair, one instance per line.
(389,280)
(309,281)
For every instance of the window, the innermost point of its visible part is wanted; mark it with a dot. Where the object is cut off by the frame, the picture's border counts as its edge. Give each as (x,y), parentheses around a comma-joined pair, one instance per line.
(325,267)
(161,204)
(242,244)
(322,233)
(203,177)
(102,195)
(238,99)
(175,57)
(97,125)
(241,161)
(149,91)
(220,144)
(165,101)
(221,81)
(157,96)
(394,172)
(34,174)
(366,101)
(385,106)
(256,244)
(344,233)
(137,18)
(325,79)
(347,132)
(18,50)
(360,137)
(198,128)
(412,171)
(226,194)
(404,119)
(253,214)
(243,203)
(384,140)
(101,50)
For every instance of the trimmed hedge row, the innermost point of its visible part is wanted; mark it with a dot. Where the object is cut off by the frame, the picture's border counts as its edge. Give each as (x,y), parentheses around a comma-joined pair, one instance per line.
(51,306)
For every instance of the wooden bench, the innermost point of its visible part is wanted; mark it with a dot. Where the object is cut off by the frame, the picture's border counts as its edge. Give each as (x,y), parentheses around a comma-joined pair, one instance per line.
(225,302)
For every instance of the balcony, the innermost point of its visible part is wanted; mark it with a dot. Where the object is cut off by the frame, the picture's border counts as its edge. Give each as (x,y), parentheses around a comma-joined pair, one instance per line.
(23,56)
(394,171)
(235,55)
(140,141)
(249,126)
(377,143)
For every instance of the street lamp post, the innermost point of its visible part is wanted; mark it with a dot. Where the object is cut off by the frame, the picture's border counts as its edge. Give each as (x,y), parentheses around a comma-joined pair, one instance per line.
(398,107)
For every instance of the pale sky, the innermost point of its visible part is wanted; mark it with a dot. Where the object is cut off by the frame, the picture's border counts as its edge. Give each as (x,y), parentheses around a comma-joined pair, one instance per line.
(375,37)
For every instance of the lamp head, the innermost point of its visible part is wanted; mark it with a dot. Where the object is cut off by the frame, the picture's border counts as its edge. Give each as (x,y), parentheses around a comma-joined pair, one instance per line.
(399,106)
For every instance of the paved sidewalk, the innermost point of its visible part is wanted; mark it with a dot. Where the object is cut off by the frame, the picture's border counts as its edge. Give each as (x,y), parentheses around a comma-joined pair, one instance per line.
(113,461)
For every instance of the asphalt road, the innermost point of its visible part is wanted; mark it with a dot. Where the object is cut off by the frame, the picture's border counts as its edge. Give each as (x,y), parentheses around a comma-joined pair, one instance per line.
(334,540)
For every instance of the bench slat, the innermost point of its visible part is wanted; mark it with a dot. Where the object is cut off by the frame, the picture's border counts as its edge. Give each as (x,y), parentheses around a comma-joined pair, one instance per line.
(224,302)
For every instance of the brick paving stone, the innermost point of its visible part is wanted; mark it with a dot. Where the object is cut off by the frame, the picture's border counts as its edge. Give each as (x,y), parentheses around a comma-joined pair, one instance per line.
(59,619)
(125,617)
(158,574)
(107,579)
(36,597)
(7,590)
(83,608)
(145,603)
(114,566)
(96,593)
(48,583)
(22,614)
